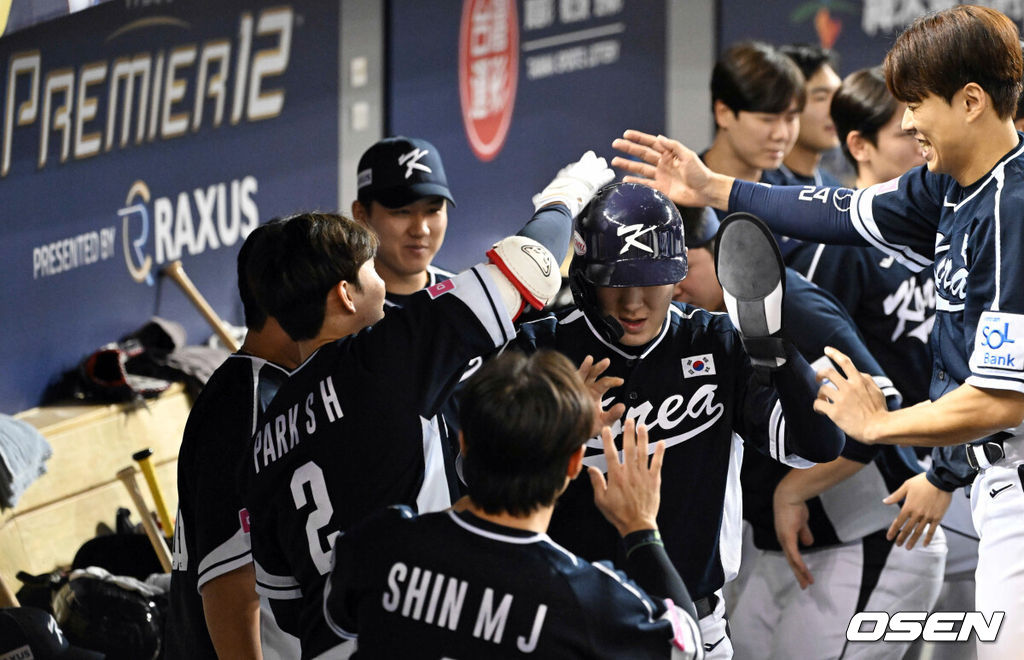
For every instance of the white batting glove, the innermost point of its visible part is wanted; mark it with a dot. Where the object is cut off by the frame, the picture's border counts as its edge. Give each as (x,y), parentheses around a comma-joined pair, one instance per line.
(576,183)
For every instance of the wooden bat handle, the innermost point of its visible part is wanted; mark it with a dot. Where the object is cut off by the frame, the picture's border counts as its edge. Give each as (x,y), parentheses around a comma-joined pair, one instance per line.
(7,596)
(146,465)
(176,272)
(127,477)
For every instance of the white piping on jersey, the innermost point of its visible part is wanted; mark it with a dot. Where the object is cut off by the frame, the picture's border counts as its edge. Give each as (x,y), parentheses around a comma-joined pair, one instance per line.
(775,420)
(814,262)
(281,587)
(433,494)
(338,630)
(863,220)
(495,536)
(1000,175)
(628,587)
(730,531)
(1002,383)
(226,557)
(998,168)
(654,344)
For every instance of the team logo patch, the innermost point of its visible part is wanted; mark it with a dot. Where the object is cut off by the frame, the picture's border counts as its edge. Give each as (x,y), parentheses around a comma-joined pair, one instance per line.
(440,287)
(699,365)
(540,256)
(243,520)
(999,342)
(365,178)
(578,245)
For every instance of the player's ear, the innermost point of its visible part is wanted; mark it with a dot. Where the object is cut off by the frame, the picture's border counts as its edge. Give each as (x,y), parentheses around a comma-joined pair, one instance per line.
(723,114)
(975,100)
(576,462)
(858,146)
(343,290)
(360,213)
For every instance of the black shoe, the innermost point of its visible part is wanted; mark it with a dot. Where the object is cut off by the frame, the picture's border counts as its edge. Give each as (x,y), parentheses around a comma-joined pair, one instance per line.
(753,278)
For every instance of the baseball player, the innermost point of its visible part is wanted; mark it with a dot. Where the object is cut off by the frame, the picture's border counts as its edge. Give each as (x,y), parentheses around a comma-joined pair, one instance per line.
(687,377)
(403,197)
(770,617)
(214,609)
(959,71)
(340,440)
(757,94)
(817,133)
(430,585)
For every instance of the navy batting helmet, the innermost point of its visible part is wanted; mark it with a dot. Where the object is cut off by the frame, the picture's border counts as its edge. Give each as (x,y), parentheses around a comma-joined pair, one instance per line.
(628,235)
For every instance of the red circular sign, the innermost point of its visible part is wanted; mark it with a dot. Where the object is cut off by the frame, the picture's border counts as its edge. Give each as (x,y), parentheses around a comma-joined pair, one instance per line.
(488,72)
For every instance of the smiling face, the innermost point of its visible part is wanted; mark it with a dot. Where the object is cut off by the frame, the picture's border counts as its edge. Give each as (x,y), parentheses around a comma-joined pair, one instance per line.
(760,140)
(938,128)
(409,236)
(640,310)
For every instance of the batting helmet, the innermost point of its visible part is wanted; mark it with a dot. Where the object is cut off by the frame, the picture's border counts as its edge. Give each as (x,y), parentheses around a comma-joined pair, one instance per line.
(628,235)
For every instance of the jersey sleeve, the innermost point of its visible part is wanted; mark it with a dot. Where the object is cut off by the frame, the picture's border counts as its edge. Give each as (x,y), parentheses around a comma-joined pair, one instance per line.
(899,216)
(994,305)
(274,578)
(623,621)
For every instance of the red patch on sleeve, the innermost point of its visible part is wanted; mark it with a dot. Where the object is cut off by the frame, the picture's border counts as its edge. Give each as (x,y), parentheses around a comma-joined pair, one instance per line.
(243,519)
(440,287)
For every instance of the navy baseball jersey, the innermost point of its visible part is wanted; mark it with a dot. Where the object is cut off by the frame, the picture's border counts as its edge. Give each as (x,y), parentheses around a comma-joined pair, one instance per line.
(814,319)
(452,585)
(211,535)
(434,275)
(694,388)
(894,308)
(354,429)
(970,236)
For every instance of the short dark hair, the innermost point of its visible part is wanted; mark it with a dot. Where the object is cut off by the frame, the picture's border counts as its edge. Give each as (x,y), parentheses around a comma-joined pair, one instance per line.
(752,76)
(255,315)
(809,58)
(291,275)
(522,418)
(941,52)
(863,104)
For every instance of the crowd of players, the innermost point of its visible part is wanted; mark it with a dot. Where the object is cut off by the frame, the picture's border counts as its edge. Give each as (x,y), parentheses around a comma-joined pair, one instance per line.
(360,387)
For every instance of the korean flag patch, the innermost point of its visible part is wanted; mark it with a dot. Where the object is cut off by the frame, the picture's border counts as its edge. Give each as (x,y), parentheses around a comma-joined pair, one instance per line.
(698,365)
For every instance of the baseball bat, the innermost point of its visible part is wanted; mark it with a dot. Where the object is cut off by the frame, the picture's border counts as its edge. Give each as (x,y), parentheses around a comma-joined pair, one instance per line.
(142,457)
(176,272)
(127,477)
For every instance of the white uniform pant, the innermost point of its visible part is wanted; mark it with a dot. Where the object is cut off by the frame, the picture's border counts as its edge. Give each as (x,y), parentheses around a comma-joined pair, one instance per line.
(715,632)
(775,619)
(997,505)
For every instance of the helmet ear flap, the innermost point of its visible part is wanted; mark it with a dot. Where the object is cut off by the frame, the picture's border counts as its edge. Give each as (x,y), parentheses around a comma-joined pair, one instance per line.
(585,297)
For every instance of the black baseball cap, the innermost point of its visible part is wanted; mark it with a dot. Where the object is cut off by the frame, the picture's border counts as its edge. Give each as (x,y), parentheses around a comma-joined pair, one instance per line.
(32,629)
(700,224)
(398,170)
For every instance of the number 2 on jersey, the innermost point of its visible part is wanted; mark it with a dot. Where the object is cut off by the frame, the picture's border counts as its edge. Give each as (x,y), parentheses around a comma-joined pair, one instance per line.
(319,517)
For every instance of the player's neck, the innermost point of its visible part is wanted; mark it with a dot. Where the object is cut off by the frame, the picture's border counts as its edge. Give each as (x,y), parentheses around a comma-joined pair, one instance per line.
(537,521)
(400,284)
(802,161)
(720,158)
(273,344)
(990,139)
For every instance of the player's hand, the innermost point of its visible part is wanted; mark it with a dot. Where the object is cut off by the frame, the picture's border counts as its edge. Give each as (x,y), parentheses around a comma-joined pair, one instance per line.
(791,517)
(591,372)
(576,183)
(668,166)
(923,507)
(852,401)
(631,496)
